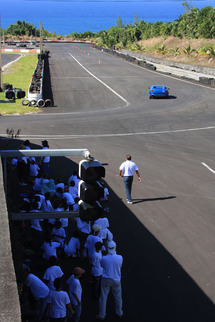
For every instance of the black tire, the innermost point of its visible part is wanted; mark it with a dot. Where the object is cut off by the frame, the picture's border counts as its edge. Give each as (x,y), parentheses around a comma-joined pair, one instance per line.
(41,103)
(9,94)
(48,102)
(33,103)
(25,102)
(20,93)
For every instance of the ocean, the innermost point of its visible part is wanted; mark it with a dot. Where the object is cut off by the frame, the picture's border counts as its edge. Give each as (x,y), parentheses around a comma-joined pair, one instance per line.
(67,16)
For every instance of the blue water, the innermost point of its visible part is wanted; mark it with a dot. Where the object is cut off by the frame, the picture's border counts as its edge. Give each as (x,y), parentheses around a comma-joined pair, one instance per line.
(65,17)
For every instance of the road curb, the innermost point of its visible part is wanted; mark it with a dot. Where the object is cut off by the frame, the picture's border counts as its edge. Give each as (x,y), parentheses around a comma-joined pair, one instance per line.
(11,50)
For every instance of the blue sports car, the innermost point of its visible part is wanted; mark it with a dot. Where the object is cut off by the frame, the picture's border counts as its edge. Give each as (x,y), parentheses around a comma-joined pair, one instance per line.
(158,91)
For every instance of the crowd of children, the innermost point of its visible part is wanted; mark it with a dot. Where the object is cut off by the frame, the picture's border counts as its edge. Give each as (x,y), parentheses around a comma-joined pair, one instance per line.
(53,239)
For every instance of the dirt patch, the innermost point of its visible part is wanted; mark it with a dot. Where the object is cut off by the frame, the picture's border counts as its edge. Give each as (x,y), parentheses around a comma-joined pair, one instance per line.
(175,42)
(190,51)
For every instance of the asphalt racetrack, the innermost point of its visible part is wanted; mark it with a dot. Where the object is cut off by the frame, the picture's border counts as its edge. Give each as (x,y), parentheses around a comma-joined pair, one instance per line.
(167,237)
(8,58)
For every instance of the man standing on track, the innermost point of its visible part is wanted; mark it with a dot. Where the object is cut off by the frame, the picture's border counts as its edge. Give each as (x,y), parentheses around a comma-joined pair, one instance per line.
(126,171)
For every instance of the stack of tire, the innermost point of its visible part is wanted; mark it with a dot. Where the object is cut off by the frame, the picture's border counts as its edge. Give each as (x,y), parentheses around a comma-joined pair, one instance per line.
(35,92)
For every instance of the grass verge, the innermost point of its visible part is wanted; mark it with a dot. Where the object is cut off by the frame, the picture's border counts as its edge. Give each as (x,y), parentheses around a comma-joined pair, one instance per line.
(19,75)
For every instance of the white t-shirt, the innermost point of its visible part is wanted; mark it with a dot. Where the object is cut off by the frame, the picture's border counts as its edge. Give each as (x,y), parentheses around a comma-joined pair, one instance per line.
(34,169)
(128,167)
(37,184)
(75,207)
(69,198)
(14,162)
(106,234)
(83,226)
(75,179)
(35,223)
(106,194)
(111,265)
(47,206)
(59,234)
(95,261)
(58,302)
(37,287)
(60,185)
(102,222)
(90,244)
(72,247)
(74,287)
(73,192)
(50,249)
(23,159)
(42,198)
(50,274)
(46,158)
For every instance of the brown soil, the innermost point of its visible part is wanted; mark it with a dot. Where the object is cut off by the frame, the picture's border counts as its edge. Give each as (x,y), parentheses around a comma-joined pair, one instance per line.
(197,57)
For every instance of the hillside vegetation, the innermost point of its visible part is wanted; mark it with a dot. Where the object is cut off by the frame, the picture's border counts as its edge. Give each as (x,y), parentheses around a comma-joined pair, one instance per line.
(190,51)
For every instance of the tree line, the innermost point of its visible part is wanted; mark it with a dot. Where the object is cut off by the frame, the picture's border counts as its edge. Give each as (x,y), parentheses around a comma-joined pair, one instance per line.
(194,23)
(22,28)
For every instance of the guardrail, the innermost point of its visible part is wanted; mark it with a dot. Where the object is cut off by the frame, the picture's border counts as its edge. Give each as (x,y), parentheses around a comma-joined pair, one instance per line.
(39,153)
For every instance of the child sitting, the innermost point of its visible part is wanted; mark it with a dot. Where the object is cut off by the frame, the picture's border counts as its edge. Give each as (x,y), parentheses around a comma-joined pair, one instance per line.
(72,249)
(49,247)
(58,232)
(34,169)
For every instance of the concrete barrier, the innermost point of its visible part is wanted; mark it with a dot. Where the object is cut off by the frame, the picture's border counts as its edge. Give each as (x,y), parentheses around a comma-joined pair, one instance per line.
(170,63)
(9,299)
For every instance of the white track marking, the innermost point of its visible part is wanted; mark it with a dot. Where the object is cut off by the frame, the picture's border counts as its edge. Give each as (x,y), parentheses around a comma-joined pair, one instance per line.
(72,136)
(99,80)
(206,166)
(12,62)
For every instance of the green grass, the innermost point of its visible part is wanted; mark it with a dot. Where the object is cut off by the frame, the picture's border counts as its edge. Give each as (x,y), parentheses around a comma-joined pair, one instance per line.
(19,75)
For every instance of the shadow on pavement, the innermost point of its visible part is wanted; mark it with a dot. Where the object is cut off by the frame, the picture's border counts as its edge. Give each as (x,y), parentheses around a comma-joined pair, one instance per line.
(156,288)
(153,199)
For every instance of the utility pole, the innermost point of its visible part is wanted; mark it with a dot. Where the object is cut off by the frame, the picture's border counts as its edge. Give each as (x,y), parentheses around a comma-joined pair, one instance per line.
(41,38)
(1,88)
